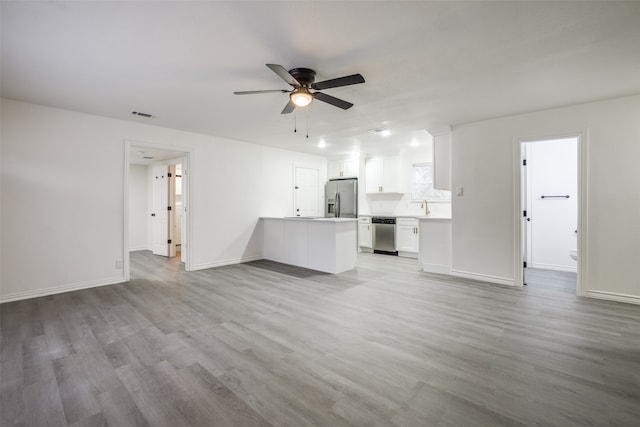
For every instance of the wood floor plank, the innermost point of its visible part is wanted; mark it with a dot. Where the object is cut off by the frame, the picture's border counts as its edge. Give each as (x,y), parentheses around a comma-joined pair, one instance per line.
(42,404)
(265,344)
(78,400)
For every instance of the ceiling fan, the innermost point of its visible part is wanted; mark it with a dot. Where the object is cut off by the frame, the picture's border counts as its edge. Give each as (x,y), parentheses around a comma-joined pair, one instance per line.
(303,79)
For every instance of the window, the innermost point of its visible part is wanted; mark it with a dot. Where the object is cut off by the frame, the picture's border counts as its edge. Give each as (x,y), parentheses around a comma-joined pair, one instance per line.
(422,184)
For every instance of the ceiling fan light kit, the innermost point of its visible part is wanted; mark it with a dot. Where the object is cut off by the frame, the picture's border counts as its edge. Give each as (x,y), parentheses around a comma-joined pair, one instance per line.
(302,80)
(301,97)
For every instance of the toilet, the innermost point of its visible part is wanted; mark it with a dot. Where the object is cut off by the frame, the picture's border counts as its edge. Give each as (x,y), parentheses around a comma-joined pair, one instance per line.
(573,253)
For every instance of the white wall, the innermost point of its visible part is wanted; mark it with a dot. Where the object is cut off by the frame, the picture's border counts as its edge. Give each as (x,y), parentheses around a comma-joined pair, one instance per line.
(138,211)
(53,159)
(484,219)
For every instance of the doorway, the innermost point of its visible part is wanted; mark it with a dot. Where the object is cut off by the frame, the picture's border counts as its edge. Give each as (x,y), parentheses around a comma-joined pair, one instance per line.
(157,193)
(549,205)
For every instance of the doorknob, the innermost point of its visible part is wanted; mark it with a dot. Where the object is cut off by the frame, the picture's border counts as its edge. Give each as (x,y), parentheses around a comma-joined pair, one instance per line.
(153,214)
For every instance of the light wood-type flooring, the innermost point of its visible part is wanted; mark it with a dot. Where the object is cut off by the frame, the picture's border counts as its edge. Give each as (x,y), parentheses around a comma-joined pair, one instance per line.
(262,344)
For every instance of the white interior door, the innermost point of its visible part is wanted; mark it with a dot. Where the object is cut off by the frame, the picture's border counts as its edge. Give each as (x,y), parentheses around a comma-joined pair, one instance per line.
(552,181)
(159,216)
(171,214)
(306,192)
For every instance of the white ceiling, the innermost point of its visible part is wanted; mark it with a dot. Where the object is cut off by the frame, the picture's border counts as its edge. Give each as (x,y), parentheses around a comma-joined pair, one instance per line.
(427,65)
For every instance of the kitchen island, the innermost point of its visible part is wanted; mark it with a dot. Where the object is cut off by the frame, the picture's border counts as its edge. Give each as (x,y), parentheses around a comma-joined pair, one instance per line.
(323,244)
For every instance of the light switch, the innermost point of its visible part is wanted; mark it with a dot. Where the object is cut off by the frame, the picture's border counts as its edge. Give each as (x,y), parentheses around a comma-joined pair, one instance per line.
(459,191)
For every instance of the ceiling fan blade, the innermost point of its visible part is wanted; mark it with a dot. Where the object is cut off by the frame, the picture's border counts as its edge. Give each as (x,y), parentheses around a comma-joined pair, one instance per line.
(284,74)
(251,92)
(288,108)
(340,81)
(332,100)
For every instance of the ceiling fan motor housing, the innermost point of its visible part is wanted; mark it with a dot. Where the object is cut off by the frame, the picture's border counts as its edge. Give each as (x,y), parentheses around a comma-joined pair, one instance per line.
(305,76)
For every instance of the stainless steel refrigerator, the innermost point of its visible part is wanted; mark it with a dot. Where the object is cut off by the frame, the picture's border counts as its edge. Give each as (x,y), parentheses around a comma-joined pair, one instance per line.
(341,198)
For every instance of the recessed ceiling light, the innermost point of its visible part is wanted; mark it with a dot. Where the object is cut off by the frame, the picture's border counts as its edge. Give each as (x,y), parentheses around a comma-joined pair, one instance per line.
(414,143)
(322,144)
(381,131)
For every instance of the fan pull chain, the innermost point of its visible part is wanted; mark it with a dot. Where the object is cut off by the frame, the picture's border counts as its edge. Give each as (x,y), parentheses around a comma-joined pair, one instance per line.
(295,121)
(307,122)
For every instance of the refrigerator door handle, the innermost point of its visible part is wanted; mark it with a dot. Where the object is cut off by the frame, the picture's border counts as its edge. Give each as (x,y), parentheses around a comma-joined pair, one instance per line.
(338,204)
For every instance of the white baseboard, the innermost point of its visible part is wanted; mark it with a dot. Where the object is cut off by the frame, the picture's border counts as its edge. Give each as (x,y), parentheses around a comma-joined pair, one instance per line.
(16,296)
(203,266)
(436,268)
(484,277)
(613,296)
(408,254)
(554,267)
(138,248)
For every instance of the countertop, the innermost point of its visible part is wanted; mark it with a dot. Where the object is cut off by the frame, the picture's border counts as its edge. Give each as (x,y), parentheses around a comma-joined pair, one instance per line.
(422,217)
(302,218)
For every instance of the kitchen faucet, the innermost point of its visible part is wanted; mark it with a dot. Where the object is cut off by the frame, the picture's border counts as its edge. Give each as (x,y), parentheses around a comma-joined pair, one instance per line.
(426,207)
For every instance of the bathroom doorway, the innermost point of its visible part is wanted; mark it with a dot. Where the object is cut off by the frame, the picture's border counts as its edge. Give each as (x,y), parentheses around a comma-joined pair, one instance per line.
(549,204)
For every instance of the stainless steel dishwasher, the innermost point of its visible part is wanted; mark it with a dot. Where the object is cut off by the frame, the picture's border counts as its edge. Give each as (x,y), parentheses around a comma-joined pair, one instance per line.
(384,235)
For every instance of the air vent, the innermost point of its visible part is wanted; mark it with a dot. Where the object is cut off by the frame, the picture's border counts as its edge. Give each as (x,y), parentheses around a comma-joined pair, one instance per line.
(147,157)
(147,115)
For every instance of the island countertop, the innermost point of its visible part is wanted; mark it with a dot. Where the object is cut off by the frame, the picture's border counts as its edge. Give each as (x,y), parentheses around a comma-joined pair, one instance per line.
(308,218)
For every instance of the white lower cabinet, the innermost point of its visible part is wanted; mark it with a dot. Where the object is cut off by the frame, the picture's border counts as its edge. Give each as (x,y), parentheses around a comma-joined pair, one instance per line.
(407,237)
(365,233)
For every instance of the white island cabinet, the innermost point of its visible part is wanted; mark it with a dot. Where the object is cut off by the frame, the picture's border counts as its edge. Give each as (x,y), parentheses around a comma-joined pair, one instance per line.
(324,244)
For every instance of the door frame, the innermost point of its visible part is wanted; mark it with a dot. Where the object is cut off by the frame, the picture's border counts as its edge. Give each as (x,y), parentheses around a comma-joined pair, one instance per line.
(187,165)
(583,164)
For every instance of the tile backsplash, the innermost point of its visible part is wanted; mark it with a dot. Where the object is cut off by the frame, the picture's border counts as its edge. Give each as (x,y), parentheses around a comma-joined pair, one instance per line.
(401,204)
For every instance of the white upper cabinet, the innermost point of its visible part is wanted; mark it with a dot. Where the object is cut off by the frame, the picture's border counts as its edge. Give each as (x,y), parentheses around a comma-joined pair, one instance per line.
(347,168)
(390,175)
(373,175)
(335,169)
(350,168)
(442,162)
(381,175)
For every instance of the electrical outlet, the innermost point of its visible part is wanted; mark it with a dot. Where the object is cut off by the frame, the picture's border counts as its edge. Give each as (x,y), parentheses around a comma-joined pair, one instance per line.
(119,264)
(459,191)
